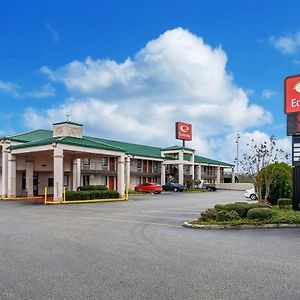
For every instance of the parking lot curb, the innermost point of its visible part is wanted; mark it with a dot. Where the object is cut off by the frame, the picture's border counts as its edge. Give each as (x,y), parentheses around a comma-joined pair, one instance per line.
(251,226)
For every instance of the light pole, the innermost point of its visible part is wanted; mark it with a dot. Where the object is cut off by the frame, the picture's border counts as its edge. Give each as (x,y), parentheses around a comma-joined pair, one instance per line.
(237,153)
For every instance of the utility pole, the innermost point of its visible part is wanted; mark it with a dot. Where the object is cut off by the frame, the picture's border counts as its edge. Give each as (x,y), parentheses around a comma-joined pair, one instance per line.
(237,153)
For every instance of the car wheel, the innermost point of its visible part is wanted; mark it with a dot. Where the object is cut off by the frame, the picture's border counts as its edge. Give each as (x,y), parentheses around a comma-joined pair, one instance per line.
(253,197)
(175,190)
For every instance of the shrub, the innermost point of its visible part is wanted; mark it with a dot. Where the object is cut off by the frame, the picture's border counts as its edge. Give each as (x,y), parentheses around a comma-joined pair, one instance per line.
(93,188)
(219,207)
(224,215)
(281,187)
(240,208)
(284,202)
(258,205)
(260,214)
(90,195)
(208,215)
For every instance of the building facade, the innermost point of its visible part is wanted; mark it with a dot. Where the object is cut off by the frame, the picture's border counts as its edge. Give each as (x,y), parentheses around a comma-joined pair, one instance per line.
(65,157)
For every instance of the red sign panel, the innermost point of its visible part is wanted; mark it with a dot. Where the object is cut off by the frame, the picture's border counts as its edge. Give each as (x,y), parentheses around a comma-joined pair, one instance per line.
(292,94)
(183,131)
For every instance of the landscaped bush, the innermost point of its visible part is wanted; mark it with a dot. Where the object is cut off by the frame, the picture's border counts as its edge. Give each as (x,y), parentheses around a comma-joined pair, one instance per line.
(90,195)
(209,214)
(284,203)
(219,207)
(259,214)
(224,215)
(281,186)
(240,208)
(93,188)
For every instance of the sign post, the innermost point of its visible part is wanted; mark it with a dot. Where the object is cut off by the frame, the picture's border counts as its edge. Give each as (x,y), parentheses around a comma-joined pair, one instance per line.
(292,110)
(183,132)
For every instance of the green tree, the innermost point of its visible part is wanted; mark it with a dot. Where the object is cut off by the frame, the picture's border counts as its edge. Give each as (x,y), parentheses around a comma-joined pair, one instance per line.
(277,182)
(257,157)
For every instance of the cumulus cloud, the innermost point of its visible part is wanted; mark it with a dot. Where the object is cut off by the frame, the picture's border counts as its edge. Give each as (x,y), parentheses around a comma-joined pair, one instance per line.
(288,44)
(174,77)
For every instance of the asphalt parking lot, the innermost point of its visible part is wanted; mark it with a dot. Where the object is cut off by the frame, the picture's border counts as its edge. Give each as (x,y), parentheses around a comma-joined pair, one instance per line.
(139,250)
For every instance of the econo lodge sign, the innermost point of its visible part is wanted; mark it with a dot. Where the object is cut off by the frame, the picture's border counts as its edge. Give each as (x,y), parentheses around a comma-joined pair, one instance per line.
(183,131)
(292,94)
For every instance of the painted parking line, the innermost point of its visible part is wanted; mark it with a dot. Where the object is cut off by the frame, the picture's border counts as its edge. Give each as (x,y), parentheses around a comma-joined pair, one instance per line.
(131,221)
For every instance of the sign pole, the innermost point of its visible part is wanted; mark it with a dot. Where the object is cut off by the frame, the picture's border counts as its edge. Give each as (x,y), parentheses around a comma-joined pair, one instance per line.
(296,172)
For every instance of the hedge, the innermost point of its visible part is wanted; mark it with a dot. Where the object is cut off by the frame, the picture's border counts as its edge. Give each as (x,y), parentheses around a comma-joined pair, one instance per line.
(91,195)
(259,213)
(284,202)
(240,207)
(224,215)
(93,188)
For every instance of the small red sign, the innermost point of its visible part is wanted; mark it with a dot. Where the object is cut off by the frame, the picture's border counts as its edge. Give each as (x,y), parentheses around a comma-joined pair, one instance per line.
(292,94)
(183,131)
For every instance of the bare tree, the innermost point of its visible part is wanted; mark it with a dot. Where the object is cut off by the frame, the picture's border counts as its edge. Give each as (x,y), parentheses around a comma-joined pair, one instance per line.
(257,158)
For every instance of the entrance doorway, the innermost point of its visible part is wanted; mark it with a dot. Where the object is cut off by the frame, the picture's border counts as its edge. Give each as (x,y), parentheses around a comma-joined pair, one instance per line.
(35,184)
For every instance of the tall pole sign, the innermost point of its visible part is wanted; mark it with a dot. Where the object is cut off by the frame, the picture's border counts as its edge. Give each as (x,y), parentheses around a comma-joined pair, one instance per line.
(183,132)
(292,110)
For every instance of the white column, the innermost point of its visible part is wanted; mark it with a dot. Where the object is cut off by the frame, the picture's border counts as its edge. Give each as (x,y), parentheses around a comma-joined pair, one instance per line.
(4,169)
(163,174)
(192,171)
(78,173)
(58,162)
(192,167)
(199,172)
(232,175)
(218,179)
(180,174)
(74,175)
(29,177)
(121,168)
(127,171)
(11,175)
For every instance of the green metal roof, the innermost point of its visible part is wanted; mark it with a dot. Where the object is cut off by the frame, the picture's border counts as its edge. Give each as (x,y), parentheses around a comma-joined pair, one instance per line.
(68,140)
(31,136)
(176,147)
(132,149)
(45,137)
(205,160)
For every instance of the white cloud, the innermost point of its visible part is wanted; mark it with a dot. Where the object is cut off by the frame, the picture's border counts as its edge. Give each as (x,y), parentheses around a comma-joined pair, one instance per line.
(268,94)
(47,90)
(174,77)
(53,32)
(9,88)
(14,90)
(288,44)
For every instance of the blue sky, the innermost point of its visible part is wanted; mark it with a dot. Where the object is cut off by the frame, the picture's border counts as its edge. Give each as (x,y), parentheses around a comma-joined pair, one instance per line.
(129,69)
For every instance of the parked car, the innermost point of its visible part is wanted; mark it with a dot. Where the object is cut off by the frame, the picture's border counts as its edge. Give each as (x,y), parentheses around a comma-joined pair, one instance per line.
(251,194)
(173,186)
(203,184)
(149,187)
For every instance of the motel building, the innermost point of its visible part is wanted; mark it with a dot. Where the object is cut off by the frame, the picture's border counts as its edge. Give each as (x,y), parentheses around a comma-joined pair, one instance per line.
(64,157)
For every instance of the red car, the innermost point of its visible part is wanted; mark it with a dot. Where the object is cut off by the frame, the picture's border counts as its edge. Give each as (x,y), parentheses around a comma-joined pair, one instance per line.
(149,187)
